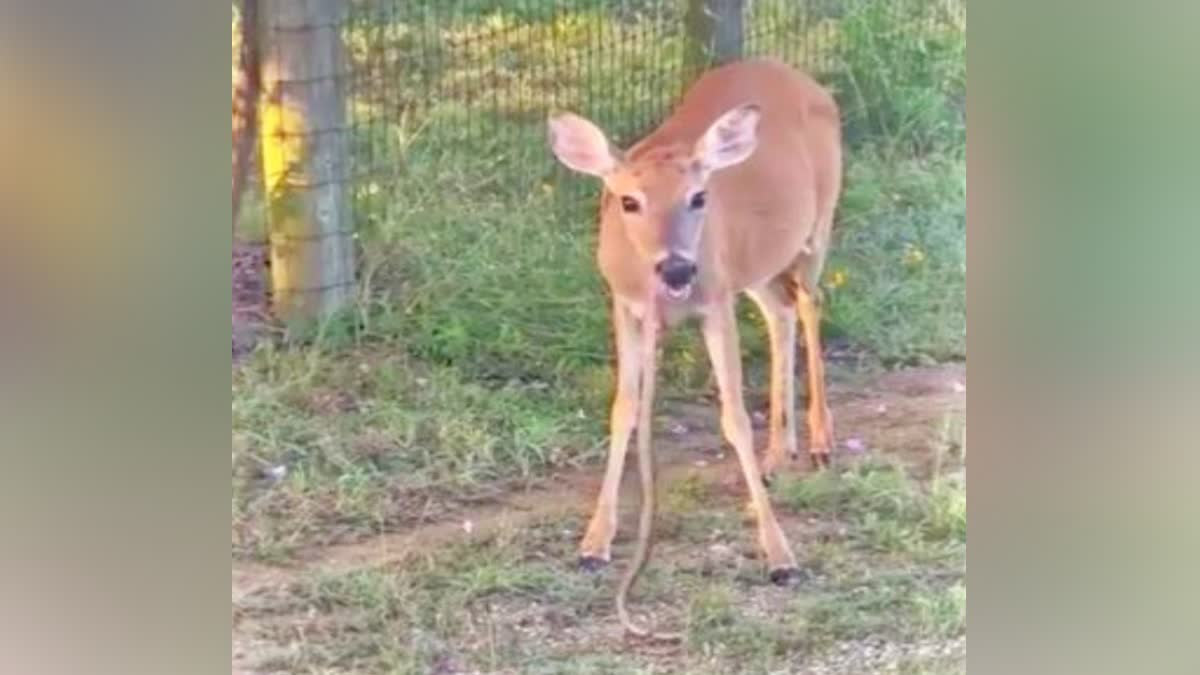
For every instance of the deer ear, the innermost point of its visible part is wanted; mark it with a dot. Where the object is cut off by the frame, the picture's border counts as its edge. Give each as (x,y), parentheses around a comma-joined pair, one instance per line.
(731,138)
(580,145)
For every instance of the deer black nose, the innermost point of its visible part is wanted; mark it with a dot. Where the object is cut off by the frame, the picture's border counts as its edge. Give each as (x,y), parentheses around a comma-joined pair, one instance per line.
(676,272)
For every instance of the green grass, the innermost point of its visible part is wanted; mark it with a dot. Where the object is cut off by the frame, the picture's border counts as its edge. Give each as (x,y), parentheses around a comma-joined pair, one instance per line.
(478,357)
(407,618)
(904,79)
(898,263)
(901,608)
(686,511)
(367,435)
(718,630)
(511,601)
(889,511)
(479,350)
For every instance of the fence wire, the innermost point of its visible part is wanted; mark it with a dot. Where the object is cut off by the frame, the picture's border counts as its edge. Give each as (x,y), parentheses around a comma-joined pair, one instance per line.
(458,91)
(488,71)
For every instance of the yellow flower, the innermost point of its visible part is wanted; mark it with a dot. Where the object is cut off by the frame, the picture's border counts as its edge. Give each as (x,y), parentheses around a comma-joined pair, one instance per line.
(547,187)
(913,256)
(837,278)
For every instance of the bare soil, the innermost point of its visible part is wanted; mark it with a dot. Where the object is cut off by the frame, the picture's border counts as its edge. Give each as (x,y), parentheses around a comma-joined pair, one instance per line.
(249,296)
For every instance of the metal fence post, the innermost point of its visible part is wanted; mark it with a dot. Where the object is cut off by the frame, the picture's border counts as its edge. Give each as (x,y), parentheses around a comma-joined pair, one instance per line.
(305,159)
(715,33)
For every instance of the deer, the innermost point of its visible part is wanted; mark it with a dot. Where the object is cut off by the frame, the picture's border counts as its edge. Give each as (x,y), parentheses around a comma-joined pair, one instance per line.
(734,193)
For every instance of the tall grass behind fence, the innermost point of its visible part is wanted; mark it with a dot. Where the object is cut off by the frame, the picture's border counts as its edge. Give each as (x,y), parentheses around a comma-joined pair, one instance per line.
(475,245)
(436,86)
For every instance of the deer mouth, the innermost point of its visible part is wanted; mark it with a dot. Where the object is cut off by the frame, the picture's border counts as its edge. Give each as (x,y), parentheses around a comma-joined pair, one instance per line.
(676,293)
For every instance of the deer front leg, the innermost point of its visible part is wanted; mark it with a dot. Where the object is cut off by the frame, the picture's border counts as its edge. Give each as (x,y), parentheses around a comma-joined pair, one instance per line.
(596,548)
(721,339)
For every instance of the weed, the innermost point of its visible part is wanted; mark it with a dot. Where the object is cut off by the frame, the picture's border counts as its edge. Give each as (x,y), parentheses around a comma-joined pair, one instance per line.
(716,629)
(905,85)
(364,439)
(874,485)
(941,613)
(946,509)
(902,607)
(588,664)
(900,311)
(889,510)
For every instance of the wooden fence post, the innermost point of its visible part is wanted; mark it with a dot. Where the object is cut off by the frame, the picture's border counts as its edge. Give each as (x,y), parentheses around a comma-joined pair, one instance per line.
(305,159)
(246,91)
(715,34)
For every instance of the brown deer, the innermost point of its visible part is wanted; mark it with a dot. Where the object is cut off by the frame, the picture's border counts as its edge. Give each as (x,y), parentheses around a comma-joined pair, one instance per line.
(734,193)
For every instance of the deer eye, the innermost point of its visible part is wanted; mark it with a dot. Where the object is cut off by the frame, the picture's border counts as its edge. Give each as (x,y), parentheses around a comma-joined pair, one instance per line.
(697,201)
(630,205)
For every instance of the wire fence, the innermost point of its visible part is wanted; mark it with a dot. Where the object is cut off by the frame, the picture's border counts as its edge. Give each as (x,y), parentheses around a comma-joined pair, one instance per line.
(458,91)
(487,73)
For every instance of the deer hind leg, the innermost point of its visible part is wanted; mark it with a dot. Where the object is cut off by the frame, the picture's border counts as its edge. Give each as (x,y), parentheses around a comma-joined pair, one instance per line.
(777,303)
(721,339)
(820,420)
(596,548)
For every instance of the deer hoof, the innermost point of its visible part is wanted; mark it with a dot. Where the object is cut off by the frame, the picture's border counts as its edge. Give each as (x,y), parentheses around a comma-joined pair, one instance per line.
(591,563)
(785,576)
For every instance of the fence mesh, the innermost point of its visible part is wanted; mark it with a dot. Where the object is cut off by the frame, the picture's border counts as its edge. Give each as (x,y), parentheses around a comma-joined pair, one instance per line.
(481,75)
(458,91)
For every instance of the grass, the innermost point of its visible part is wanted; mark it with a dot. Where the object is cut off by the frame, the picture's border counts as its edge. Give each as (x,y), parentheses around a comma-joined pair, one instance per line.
(510,601)
(896,276)
(719,631)
(366,441)
(479,350)
(478,357)
(888,511)
(900,608)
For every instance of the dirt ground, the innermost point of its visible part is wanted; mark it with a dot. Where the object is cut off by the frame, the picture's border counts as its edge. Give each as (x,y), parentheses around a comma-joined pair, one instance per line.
(249,296)
(900,415)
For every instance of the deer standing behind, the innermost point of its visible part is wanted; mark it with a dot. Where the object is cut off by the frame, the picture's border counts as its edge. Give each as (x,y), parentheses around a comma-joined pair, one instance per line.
(734,193)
